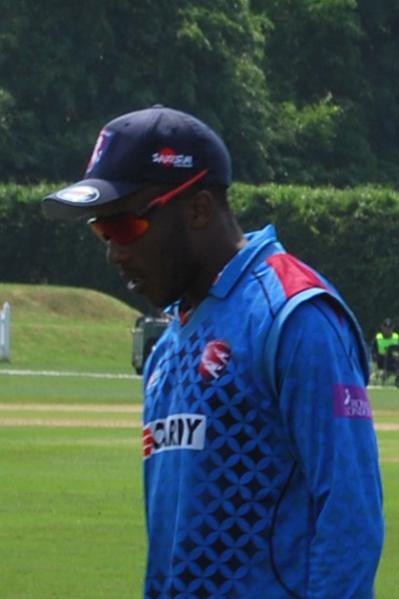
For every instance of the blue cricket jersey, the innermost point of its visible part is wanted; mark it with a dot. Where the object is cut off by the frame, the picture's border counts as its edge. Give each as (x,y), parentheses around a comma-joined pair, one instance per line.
(260,456)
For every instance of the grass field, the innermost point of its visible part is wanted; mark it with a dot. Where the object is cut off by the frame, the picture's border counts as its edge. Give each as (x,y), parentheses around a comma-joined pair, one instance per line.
(63,328)
(71,518)
(71,494)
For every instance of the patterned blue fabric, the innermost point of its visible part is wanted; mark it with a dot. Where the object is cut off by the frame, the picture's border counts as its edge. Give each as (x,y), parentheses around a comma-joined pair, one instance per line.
(250,493)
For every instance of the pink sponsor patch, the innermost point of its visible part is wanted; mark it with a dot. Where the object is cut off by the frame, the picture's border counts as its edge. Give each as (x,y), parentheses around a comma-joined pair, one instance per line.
(351,401)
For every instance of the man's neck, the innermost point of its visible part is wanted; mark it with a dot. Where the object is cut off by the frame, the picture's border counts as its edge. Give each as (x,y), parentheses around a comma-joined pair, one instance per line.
(213,263)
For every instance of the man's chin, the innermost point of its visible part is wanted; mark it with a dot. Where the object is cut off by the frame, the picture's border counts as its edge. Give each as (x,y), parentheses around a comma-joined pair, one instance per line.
(136,286)
(158,300)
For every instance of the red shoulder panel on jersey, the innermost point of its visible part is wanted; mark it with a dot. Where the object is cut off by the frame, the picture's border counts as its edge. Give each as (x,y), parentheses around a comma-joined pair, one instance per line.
(293,274)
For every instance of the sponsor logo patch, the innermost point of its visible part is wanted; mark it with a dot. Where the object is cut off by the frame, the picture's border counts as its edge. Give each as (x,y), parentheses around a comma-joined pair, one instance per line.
(180,431)
(168,157)
(79,193)
(214,360)
(100,148)
(351,401)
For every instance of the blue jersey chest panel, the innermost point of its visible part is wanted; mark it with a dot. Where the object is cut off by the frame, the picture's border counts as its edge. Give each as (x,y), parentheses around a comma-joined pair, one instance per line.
(217,457)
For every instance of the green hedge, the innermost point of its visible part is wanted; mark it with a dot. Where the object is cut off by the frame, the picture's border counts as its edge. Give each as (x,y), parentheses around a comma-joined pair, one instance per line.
(38,250)
(352,236)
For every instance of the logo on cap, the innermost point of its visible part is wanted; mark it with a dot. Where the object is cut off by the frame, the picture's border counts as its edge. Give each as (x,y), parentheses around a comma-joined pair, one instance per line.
(168,157)
(100,148)
(79,193)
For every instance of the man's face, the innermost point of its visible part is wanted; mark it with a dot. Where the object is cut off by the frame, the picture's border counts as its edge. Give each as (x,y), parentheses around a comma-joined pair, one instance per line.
(159,263)
(387,330)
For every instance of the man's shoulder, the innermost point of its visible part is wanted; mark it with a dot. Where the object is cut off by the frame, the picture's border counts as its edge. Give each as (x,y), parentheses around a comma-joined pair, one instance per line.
(279,276)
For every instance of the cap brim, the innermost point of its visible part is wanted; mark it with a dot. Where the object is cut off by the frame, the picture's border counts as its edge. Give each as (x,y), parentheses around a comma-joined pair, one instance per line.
(82,198)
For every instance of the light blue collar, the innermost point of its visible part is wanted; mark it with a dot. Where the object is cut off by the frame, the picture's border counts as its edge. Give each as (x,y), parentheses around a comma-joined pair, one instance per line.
(238,265)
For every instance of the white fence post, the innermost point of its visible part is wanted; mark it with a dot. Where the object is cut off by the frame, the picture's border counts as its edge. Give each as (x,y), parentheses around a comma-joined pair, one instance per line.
(5,332)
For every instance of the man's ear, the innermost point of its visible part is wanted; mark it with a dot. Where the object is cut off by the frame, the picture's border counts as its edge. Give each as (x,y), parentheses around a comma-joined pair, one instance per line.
(200,209)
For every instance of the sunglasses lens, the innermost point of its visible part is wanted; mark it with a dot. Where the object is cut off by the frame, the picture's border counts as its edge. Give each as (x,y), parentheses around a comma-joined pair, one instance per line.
(123,229)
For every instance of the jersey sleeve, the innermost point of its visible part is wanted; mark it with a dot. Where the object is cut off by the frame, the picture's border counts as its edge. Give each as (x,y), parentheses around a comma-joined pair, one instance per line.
(328,421)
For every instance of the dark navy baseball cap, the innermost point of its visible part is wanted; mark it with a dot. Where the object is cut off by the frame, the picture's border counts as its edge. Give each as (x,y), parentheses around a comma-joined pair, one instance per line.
(151,146)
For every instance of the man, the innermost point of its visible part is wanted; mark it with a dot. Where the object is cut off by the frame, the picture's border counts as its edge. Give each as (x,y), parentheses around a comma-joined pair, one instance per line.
(384,339)
(260,458)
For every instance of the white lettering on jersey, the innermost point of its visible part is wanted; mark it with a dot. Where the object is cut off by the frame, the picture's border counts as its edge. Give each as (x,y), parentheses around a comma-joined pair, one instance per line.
(180,431)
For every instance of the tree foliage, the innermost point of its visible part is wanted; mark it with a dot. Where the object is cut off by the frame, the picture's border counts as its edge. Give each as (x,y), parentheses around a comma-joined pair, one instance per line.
(70,67)
(302,91)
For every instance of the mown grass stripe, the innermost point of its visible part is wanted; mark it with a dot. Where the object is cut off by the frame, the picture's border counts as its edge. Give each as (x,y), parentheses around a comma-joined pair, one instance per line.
(60,373)
(68,423)
(98,408)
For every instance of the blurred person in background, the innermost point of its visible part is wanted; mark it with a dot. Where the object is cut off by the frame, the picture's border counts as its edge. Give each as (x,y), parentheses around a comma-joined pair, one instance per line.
(385,337)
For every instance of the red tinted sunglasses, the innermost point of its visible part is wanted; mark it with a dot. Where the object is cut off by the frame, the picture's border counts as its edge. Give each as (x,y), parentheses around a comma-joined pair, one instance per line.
(124,228)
